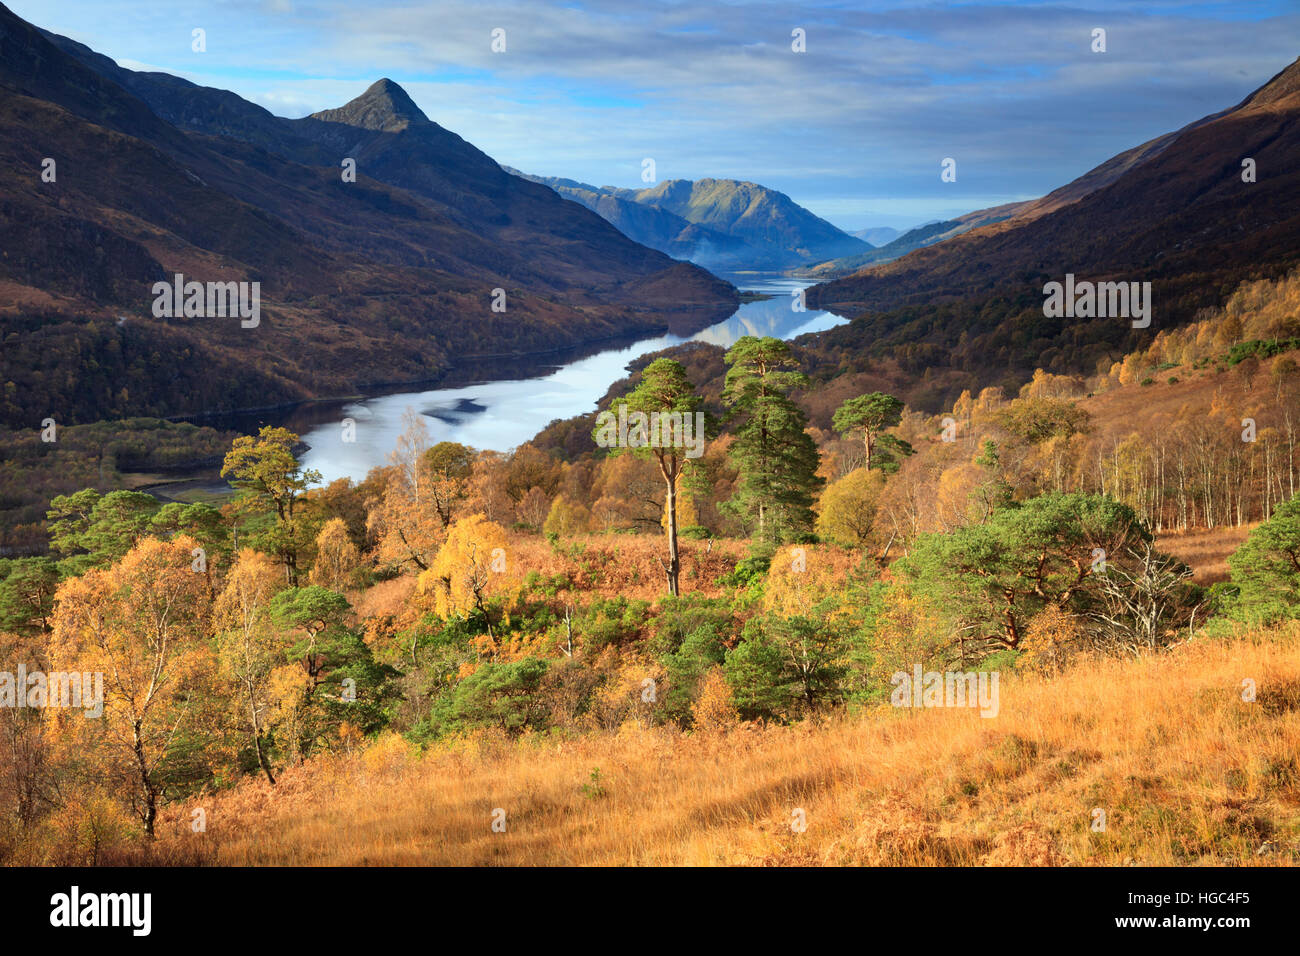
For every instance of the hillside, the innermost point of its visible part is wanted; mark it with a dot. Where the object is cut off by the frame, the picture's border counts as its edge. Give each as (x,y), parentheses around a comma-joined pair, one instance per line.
(718,223)
(1174,212)
(917,238)
(1186,772)
(386,279)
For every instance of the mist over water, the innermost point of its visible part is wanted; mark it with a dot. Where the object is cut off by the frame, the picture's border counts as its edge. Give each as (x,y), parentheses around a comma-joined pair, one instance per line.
(502,414)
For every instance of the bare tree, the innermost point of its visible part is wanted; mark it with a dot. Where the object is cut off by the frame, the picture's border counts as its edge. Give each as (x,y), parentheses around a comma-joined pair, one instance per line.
(1145,601)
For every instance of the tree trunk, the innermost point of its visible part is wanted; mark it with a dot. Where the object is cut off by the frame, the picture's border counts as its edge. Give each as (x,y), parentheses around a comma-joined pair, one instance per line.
(674,560)
(257,739)
(146,785)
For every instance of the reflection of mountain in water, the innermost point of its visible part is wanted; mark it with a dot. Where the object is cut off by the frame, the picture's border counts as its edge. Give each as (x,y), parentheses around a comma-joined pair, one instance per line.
(503,405)
(775,317)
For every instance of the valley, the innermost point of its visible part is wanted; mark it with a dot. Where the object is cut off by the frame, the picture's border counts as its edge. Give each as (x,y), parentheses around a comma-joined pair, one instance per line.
(414,501)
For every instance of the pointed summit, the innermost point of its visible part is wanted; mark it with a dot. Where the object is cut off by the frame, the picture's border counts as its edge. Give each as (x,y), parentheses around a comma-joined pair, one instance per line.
(384,107)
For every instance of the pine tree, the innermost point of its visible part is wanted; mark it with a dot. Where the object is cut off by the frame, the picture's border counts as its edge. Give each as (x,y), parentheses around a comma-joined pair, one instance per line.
(663,408)
(871,415)
(776,457)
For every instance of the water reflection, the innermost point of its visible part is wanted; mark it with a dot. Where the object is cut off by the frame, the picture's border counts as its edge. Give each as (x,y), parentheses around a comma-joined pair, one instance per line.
(504,413)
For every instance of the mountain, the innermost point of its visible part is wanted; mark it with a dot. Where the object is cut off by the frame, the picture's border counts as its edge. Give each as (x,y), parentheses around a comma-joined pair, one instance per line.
(1016,213)
(924,235)
(650,225)
(1174,212)
(878,236)
(386,279)
(718,223)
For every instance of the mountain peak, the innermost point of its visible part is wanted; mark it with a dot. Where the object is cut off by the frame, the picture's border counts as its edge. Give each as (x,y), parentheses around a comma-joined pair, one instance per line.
(384,107)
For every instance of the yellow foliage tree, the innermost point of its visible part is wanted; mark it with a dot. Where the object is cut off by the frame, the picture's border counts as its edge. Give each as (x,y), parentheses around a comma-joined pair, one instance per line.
(1053,637)
(713,710)
(473,565)
(847,509)
(336,556)
(248,648)
(799,578)
(143,624)
(567,518)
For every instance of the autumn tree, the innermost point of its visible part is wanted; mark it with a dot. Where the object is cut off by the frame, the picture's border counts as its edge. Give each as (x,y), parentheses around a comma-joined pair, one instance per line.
(404,518)
(142,623)
(449,467)
(27,784)
(472,565)
(870,415)
(847,509)
(567,518)
(268,473)
(248,646)
(775,456)
(668,395)
(336,556)
(629,493)
(486,491)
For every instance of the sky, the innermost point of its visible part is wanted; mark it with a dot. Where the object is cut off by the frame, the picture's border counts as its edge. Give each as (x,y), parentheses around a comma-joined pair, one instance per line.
(856,127)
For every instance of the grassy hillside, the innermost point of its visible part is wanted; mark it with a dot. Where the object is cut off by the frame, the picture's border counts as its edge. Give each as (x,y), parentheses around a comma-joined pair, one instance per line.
(1187,772)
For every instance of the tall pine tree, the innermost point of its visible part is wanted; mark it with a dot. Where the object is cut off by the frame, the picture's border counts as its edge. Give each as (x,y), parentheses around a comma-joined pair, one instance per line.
(668,432)
(774,454)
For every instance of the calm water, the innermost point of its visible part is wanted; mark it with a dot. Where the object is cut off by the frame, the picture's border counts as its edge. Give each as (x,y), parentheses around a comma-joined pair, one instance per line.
(499,415)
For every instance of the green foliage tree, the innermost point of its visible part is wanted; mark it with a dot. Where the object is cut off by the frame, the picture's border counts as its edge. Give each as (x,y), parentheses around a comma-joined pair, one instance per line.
(1265,570)
(93,531)
(506,696)
(268,473)
(787,666)
(27,587)
(871,415)
(775,456)
(685,668)
(667,394)
(344,682)
(202,522)
(989,579)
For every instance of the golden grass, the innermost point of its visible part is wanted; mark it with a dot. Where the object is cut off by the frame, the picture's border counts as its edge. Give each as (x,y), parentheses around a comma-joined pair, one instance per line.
(1187,772)
(1205,552)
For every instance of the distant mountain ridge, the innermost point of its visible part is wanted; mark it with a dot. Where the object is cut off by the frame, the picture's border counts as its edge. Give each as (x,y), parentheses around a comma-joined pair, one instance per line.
(877,236)
(1017,213)
(386,279)
(923,235)
(717,223)
(1182,211)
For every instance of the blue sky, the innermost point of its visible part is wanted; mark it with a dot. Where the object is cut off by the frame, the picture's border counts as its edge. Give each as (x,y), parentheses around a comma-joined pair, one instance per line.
(855,128)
